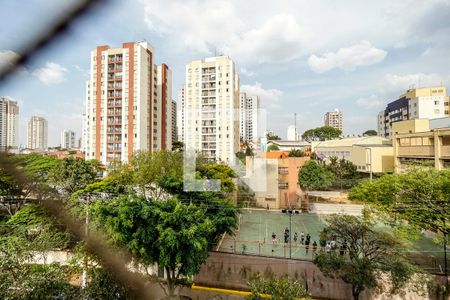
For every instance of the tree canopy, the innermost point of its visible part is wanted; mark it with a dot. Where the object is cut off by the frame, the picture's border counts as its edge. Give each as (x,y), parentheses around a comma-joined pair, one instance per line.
(364,255)
(273,148)
(176,236)
(370,132)
(272,137)
(321,134)
(296,153)
(315,176)
(283,288)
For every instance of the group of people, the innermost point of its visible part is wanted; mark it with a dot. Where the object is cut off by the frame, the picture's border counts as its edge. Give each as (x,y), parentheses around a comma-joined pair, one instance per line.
(304,239)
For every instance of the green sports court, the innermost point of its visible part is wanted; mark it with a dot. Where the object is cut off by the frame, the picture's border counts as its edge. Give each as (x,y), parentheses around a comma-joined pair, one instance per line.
(254,237)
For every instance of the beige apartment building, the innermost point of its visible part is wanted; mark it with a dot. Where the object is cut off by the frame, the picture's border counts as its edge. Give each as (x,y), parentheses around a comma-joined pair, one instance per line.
(9,124)
(280,188)
(128,103)
(334,119)
(416,144)
(37,134)
(211,108)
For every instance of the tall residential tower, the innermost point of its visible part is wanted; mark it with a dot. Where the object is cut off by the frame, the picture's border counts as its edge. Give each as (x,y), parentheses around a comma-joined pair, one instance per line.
(37,133)
(212,108)
(334,119)
(128,103)
(68,139)
(9,124)
(248,117)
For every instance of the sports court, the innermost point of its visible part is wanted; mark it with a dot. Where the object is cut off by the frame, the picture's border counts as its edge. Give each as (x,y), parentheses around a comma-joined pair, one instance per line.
(254,236)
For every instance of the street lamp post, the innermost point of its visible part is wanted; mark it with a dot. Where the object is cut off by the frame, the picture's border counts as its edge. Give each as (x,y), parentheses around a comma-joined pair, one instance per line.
(370,162)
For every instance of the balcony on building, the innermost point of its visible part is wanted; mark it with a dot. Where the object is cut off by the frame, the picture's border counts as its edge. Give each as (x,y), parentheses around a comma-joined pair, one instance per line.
(283,170)
(283,185)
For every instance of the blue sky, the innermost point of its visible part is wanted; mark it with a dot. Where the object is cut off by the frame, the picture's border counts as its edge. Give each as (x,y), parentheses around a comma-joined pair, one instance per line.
(300,56)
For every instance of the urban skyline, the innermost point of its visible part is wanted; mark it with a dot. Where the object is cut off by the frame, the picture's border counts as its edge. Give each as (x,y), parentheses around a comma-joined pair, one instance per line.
(301,71)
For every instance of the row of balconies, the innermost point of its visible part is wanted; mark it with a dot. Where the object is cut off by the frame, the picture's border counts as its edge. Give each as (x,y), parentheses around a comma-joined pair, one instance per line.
(115,58)
(115,85)
(114,102)
(117,120)
(115,94)
(210,85)
(209,77)
(116,111)
(209,145)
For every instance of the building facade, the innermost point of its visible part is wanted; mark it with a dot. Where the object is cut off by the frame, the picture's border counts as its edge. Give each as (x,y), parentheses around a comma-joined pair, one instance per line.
(420,103)
(280,188)
(9,124)
(211,112)
(68,139)
(174,122)
(37,135)
(334,119)
(128,103)
(180,113)
(369,154)
(292,134)
(248,117)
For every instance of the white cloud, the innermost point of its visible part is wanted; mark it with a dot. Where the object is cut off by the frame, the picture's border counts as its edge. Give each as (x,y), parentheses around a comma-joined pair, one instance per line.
(400,83)
(360,54)
(197,25)
(52,73)
(247,72)
(270,98)
(371,102)
(7,57)
(279,39)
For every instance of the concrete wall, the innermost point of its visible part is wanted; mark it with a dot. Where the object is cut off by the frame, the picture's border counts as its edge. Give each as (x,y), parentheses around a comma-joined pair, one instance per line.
(233,271)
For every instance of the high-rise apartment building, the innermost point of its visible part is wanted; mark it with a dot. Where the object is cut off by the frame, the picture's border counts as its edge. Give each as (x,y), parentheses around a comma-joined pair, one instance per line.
(174,122)
(334,119)
(248,117)
(9,124)
(419,103)
(37,134)
(68,139)
(180,113)
(128,103)
(212,108)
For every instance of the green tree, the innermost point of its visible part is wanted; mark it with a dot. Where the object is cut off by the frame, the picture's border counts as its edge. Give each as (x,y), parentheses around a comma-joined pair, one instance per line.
(272,137)
(370,254)
(346,172)
(177,146)
(315,176)
(420,196)
(15,190)
(273,148)
(296,153)
(321,134)
(74,173)
(173,235)
(20,280)
(283,288)
(370,132)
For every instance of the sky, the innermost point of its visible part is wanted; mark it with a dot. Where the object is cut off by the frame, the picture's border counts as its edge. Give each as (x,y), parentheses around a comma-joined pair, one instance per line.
(299,56)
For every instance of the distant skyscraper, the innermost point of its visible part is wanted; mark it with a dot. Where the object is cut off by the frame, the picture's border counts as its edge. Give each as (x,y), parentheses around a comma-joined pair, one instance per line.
(174,122)
(248,117)
(37,133)
(292,134)
(211,108)
(420,103)
(9,124)
(68,139)
(180,113)
(334,119)
(128,103)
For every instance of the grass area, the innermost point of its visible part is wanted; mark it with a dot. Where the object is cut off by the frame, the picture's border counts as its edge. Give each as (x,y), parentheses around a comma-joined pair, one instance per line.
(254,236)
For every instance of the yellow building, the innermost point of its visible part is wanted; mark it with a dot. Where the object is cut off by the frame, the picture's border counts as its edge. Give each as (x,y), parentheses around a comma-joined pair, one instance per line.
(369,153)
(416,144)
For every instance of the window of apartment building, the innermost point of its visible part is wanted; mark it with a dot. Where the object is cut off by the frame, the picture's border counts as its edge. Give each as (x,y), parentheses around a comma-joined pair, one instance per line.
(437,111)
(436,102)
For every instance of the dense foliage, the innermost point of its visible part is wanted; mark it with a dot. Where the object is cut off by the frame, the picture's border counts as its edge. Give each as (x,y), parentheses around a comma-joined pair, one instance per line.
(370,132)
(364,255)
(315,176)
(321,134)
(283,288)
(337,174)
